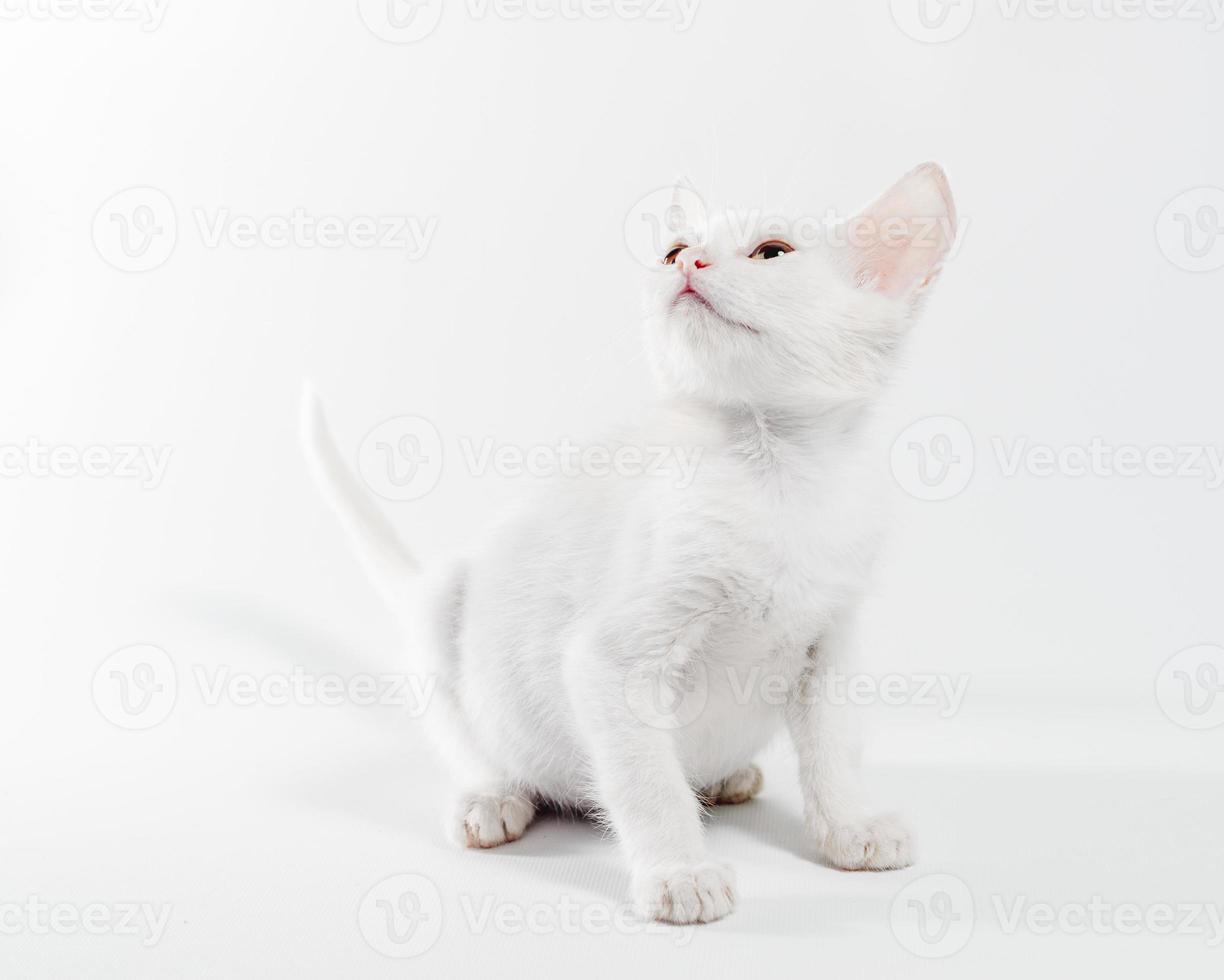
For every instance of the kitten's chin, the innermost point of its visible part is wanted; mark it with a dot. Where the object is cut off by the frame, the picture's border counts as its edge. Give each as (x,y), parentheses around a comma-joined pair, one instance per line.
(693,311)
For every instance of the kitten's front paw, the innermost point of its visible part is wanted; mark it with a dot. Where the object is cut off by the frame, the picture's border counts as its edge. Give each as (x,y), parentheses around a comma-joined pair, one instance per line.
(699,893)
(879,844)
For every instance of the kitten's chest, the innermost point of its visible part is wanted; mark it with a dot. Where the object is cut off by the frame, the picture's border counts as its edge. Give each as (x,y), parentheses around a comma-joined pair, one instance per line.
(799,560)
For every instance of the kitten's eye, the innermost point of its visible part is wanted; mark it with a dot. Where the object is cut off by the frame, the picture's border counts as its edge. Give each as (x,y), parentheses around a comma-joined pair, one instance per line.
(771,250)
(670,257)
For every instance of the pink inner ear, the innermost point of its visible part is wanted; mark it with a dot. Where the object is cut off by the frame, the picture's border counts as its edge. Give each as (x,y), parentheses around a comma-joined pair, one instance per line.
(900,241)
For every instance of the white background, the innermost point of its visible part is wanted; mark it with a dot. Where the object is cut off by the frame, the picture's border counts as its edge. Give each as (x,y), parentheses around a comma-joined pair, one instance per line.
(530,140)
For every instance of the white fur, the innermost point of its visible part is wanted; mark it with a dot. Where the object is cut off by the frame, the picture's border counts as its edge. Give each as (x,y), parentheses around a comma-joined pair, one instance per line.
(756,566)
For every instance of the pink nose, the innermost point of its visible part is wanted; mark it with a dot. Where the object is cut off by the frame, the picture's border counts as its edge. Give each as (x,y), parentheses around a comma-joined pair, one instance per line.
(691,259)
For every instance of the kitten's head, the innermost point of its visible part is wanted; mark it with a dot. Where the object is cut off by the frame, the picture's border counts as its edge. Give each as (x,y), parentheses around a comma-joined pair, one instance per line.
(768,313)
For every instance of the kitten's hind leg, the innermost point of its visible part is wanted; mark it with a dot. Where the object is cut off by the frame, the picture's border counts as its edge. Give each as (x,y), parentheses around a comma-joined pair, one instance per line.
(490,817)
(741,786)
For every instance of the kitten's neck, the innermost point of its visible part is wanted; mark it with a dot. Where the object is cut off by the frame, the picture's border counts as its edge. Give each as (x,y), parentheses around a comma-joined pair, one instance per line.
(797,442)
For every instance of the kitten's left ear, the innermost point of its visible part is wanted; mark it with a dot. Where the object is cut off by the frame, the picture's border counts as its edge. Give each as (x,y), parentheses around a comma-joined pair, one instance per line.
(898,244)
(686,215)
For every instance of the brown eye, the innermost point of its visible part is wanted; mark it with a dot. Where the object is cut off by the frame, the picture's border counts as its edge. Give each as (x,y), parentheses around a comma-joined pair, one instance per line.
(670,257)
(771,250)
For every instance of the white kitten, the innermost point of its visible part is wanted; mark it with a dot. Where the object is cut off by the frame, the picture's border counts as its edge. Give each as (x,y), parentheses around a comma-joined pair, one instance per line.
(605,649)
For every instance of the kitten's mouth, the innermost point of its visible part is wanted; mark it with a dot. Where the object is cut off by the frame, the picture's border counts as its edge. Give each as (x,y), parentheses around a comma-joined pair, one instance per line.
(689,295)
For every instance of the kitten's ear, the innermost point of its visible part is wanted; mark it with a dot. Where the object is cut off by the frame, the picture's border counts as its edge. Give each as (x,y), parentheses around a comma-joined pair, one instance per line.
(898,243)
(682,188)
(686,214)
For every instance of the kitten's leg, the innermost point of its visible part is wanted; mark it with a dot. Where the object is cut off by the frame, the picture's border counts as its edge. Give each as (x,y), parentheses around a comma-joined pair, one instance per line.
(657,818)
(641,787)
(741,786)
(835,811)
(487,818)
(489,811)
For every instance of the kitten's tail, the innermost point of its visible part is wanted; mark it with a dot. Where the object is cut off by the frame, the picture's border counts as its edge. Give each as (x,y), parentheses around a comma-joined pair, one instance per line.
(386,559)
